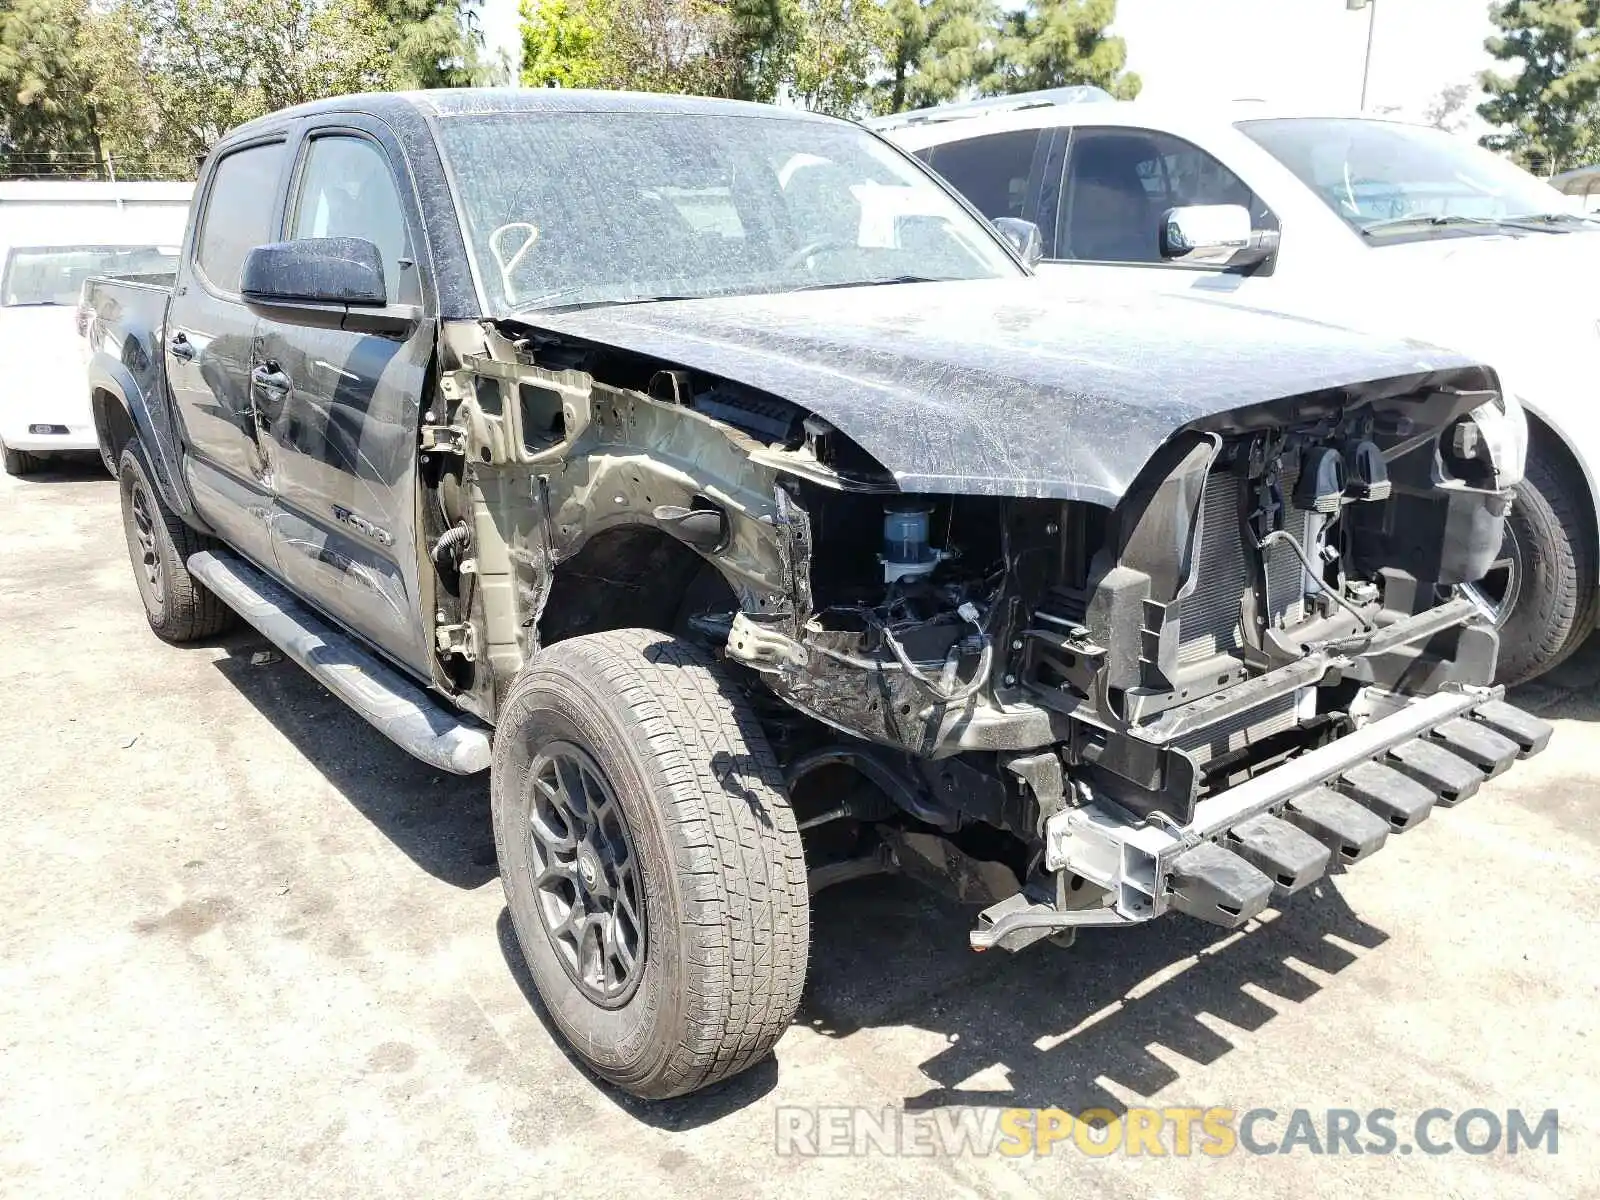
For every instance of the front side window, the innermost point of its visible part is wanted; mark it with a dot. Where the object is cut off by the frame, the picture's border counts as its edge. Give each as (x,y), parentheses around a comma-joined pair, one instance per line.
(55,274)
(1394,182)
(1121,182)
(991,172)
(238,215)
(585,208)
(348,190)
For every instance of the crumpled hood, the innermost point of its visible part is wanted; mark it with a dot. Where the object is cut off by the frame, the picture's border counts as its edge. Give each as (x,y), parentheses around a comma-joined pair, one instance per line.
(1004,387)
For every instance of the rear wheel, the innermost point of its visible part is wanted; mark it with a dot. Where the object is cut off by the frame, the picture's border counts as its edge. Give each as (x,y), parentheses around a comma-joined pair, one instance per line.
(1542,588)
(19,462)
(178,607)
(650,859)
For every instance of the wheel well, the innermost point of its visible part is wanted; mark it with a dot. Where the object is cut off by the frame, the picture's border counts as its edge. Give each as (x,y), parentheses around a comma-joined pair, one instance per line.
(1549,445)
(111,423)
(631,577)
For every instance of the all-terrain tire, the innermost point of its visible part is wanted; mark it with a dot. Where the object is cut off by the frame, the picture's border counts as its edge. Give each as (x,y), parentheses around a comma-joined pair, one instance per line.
(178,607)
(727,915)
(1551,536)
(19,462)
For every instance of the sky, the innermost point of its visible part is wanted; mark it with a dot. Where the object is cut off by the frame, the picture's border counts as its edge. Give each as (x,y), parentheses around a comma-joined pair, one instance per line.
(1304,52)
(1295,52)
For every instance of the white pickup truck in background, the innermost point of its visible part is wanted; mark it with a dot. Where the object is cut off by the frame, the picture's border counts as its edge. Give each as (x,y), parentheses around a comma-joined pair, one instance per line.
(1371,224)
(53,236)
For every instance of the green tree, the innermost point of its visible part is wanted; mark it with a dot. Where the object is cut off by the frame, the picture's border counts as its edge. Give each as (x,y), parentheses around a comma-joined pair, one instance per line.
(563,44)
(1058,43)
(432,43)
(838,48)
(48,121)
(934,50)
(1548,111)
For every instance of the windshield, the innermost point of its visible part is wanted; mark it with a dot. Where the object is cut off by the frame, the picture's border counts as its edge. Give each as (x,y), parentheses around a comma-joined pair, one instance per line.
(55,274)
(1375,172)
(593,208)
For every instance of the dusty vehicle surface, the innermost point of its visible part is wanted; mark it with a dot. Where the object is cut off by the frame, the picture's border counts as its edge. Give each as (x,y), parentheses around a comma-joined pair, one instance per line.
(717,479)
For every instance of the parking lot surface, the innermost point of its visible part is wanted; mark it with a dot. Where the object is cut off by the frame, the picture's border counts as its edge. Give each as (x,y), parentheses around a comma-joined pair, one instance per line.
(248,947)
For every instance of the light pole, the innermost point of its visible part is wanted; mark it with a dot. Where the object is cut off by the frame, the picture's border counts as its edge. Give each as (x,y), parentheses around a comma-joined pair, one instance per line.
(1372,18)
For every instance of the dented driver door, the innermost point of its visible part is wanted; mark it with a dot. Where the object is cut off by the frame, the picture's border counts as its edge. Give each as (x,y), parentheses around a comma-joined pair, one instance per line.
(344,405)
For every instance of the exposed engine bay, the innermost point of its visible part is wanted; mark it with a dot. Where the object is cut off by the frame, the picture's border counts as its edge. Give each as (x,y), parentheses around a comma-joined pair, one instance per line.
(1070,711)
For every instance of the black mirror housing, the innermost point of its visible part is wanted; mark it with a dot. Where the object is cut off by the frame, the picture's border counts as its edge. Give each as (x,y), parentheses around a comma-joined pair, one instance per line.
(1023,237)
(315,271)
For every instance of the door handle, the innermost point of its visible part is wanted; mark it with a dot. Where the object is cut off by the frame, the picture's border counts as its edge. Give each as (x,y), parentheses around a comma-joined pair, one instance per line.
(270,380)
(181,347)
(271,387)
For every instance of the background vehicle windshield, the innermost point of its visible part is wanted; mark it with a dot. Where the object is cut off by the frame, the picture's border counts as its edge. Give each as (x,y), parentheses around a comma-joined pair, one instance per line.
(1374,171)
(55,274)
(580,208)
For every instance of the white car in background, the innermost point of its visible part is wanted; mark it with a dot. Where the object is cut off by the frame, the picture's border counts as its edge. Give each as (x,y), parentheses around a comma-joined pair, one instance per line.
(53,236)
(1371,224)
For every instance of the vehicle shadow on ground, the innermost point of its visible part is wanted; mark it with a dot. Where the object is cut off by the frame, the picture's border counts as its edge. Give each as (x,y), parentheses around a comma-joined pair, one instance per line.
(1048,1025)
(85,468)
(440,820)
(1570,692)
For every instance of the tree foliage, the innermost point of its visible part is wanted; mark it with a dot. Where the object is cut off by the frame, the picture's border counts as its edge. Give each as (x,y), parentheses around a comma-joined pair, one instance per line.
(839,56)
(1548,111)
(1058,43)
(88,84)
(1447,110)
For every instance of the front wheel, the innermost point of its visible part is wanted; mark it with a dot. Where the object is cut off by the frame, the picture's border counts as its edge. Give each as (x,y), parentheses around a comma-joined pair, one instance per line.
(650,860)
(1542,588)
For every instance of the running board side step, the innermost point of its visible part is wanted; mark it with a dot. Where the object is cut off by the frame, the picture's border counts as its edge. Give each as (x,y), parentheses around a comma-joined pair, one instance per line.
(404,712)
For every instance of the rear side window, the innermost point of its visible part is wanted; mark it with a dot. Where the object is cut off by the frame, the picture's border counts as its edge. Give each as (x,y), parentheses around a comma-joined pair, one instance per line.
(238,215)
(348,190)
(991,172)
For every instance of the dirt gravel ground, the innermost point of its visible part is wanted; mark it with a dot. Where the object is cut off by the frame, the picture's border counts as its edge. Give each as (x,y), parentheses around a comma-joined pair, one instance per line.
(250,948)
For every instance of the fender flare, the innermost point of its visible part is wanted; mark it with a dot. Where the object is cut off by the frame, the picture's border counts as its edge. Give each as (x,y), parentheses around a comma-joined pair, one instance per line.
(109,375)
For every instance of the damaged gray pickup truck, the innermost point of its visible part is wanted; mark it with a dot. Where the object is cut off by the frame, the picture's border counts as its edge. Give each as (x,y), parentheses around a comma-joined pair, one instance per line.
(717,479)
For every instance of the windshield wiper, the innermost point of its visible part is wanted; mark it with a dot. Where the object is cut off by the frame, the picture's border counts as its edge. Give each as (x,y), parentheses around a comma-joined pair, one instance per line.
(1554,218)
(1421,221)
(541,305)
(847,283)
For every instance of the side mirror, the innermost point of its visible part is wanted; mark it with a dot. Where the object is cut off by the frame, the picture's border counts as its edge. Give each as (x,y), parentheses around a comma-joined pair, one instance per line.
(1023,237)
(1214,235)
(314,271)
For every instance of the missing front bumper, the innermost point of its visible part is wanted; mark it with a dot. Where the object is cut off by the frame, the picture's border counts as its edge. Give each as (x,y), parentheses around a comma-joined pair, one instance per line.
(1254,841)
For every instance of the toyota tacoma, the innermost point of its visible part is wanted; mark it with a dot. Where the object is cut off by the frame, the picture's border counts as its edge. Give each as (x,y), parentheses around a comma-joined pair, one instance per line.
(723,484)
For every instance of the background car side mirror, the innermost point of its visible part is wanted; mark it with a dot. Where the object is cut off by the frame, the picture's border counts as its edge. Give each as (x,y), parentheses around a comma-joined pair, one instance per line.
(1218,235)
(1023,237)
(339,270)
